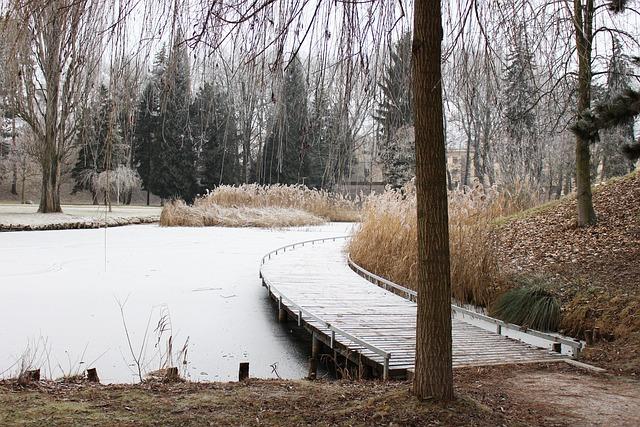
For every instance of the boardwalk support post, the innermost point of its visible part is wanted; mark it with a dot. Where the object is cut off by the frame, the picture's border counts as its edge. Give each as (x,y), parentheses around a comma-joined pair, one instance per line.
(315,354)
(282,313)
(385,372)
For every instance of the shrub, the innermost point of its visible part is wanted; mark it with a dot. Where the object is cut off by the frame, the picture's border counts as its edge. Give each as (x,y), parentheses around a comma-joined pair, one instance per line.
(533,307)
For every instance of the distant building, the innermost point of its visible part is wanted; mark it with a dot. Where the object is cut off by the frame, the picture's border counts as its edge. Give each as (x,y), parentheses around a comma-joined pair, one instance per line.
(456,160)
(366,169)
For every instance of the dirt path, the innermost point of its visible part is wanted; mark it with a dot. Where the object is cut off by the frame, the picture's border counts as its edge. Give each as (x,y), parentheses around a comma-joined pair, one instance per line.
(588,400)
(549,395)
(557,394)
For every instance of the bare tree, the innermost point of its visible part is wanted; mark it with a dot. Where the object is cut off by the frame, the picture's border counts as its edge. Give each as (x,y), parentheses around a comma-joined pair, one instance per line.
(57,48)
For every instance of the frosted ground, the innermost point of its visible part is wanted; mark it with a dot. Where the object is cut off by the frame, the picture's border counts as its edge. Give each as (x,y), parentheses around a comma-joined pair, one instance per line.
(59,292)
(21,215)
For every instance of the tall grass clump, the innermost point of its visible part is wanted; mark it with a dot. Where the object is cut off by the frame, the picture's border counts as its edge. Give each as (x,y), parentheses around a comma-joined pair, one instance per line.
(178,214)
(533,307)
(253,205)
(321,203)
(385,242)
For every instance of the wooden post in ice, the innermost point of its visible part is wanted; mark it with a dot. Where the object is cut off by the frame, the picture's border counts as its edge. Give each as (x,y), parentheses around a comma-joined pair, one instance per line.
(172,374)
(92,375)
(243,372)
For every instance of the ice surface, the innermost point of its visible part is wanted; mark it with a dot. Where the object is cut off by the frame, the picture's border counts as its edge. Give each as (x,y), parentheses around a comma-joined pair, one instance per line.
(54,288)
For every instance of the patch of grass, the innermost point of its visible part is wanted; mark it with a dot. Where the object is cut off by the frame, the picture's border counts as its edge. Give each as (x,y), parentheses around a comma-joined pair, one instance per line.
(254,402)
(531,306)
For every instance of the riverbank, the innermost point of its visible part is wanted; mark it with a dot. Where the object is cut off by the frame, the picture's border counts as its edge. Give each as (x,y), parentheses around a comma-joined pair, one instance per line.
(17,217)
(555,394)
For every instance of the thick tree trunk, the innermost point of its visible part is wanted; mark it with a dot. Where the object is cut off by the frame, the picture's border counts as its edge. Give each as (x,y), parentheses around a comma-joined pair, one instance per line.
(14,180)
(24,179)
(583,20)
(433,376)
(50,192)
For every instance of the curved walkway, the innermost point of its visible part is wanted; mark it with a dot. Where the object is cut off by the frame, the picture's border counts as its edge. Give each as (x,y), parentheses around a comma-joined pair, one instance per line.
(315,285)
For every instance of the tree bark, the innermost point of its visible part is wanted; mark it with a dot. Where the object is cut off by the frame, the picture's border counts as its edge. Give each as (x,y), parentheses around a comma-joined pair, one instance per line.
(50,190)
(583,22)
(433,376)
(14,182)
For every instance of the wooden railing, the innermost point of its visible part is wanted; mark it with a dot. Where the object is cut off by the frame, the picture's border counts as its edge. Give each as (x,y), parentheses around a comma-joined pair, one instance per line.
(500,325)
(302,312)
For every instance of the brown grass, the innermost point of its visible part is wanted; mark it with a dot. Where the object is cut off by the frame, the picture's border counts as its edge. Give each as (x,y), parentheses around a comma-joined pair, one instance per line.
(253,205)
(321,203)
(385,243)
(177,213)
(531,395)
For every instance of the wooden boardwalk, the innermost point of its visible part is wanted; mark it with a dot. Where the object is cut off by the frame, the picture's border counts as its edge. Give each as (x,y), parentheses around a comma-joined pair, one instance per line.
(364,322)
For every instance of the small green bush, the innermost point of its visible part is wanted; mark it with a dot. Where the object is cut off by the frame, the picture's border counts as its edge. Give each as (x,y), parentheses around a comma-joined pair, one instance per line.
(532,306)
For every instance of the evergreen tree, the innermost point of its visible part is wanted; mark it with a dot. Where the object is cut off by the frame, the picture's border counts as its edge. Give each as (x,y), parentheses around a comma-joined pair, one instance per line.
(320,138)
(165,154)
(216,138)
(395,112)
(147,148)
(521,155)
(613,162)
(177,177)
(100,144)
(340,147)
(283,159)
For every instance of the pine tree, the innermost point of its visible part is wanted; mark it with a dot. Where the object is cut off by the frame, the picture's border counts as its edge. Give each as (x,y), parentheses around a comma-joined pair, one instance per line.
(100,144)
(147,149)
(520,155)
(164,154)
(395,112)
(283,159)
(216,138)
(330,154)
(319,137)
(613,162)
(177,171)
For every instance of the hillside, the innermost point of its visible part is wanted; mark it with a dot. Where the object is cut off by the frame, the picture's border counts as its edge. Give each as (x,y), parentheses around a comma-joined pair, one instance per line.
(594,271)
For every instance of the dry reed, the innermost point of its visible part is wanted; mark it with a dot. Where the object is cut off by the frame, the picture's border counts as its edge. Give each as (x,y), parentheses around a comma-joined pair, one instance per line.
(178,213)
(385,242)
(253,205)
(321,203)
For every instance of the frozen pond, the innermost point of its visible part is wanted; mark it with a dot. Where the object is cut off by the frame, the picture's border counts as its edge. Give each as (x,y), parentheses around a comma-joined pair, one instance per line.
(59,293)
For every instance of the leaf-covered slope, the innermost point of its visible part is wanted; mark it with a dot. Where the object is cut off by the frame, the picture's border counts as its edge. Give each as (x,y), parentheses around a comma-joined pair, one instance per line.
(595,271)
(605,254)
